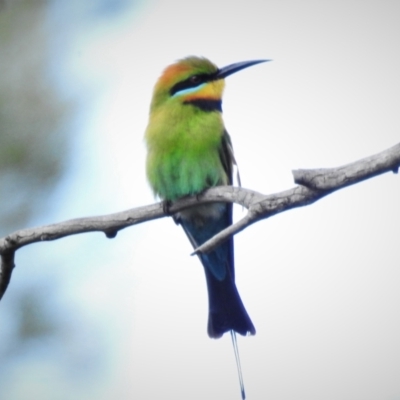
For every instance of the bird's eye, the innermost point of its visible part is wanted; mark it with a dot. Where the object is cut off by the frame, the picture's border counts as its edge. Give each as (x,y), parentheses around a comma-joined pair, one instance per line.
(195,79)
(190,83)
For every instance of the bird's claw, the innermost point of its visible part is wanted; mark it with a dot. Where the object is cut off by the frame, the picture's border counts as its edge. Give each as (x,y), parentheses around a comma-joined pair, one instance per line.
(166,204)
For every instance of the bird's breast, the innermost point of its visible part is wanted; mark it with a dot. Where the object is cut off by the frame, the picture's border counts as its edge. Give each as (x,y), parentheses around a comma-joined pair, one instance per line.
(183,151)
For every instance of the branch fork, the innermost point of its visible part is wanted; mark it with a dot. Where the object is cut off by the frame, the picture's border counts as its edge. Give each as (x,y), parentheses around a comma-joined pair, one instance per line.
(312,185)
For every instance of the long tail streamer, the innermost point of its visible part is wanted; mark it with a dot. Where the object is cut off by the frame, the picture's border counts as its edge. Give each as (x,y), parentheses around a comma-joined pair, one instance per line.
(239,368)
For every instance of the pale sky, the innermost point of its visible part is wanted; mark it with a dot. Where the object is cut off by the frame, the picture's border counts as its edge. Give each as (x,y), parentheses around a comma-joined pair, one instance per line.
(320,283)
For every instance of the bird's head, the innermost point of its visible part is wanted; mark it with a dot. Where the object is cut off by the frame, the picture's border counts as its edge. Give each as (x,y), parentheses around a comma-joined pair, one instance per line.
(194,79)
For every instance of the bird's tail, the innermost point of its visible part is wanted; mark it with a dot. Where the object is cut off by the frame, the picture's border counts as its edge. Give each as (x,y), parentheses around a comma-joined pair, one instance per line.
(226,309)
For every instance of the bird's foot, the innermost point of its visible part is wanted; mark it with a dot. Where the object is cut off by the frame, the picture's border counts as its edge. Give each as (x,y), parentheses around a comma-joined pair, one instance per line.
(166,204)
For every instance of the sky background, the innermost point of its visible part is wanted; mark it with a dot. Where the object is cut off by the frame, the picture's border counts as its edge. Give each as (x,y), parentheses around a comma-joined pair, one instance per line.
(321,283)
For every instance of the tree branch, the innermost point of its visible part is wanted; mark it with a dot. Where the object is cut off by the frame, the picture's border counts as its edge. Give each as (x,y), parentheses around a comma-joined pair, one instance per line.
(314,184)
(337,178)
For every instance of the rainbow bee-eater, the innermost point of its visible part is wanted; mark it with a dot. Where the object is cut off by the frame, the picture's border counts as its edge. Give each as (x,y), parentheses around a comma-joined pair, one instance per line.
(189,150)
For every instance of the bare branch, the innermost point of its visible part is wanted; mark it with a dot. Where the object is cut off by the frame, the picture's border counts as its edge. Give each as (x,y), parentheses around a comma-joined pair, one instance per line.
(314,184)
(7,266)
(337,178)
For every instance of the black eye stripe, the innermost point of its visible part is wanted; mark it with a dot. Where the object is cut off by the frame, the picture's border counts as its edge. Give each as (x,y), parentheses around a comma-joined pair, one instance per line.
(191,82)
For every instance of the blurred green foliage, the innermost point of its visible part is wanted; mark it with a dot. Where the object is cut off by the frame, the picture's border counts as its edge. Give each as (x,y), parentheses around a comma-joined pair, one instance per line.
(33,142)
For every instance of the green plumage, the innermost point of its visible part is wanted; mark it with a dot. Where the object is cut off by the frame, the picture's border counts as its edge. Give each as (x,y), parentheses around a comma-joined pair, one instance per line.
(184,141)
(184,144)
(189,151)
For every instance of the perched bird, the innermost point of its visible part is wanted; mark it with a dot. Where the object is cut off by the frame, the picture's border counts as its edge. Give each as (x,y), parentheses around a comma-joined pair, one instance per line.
(189,150)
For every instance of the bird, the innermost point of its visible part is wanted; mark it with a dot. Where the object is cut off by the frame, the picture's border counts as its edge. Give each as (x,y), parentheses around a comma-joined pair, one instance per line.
(188,151)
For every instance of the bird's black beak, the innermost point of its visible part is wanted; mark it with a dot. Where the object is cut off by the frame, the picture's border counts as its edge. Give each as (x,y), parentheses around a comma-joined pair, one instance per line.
(231,69)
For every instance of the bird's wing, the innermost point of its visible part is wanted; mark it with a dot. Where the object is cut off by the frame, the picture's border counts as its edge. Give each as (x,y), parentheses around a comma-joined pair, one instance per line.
(228,161)
(228,158)
(221,259)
